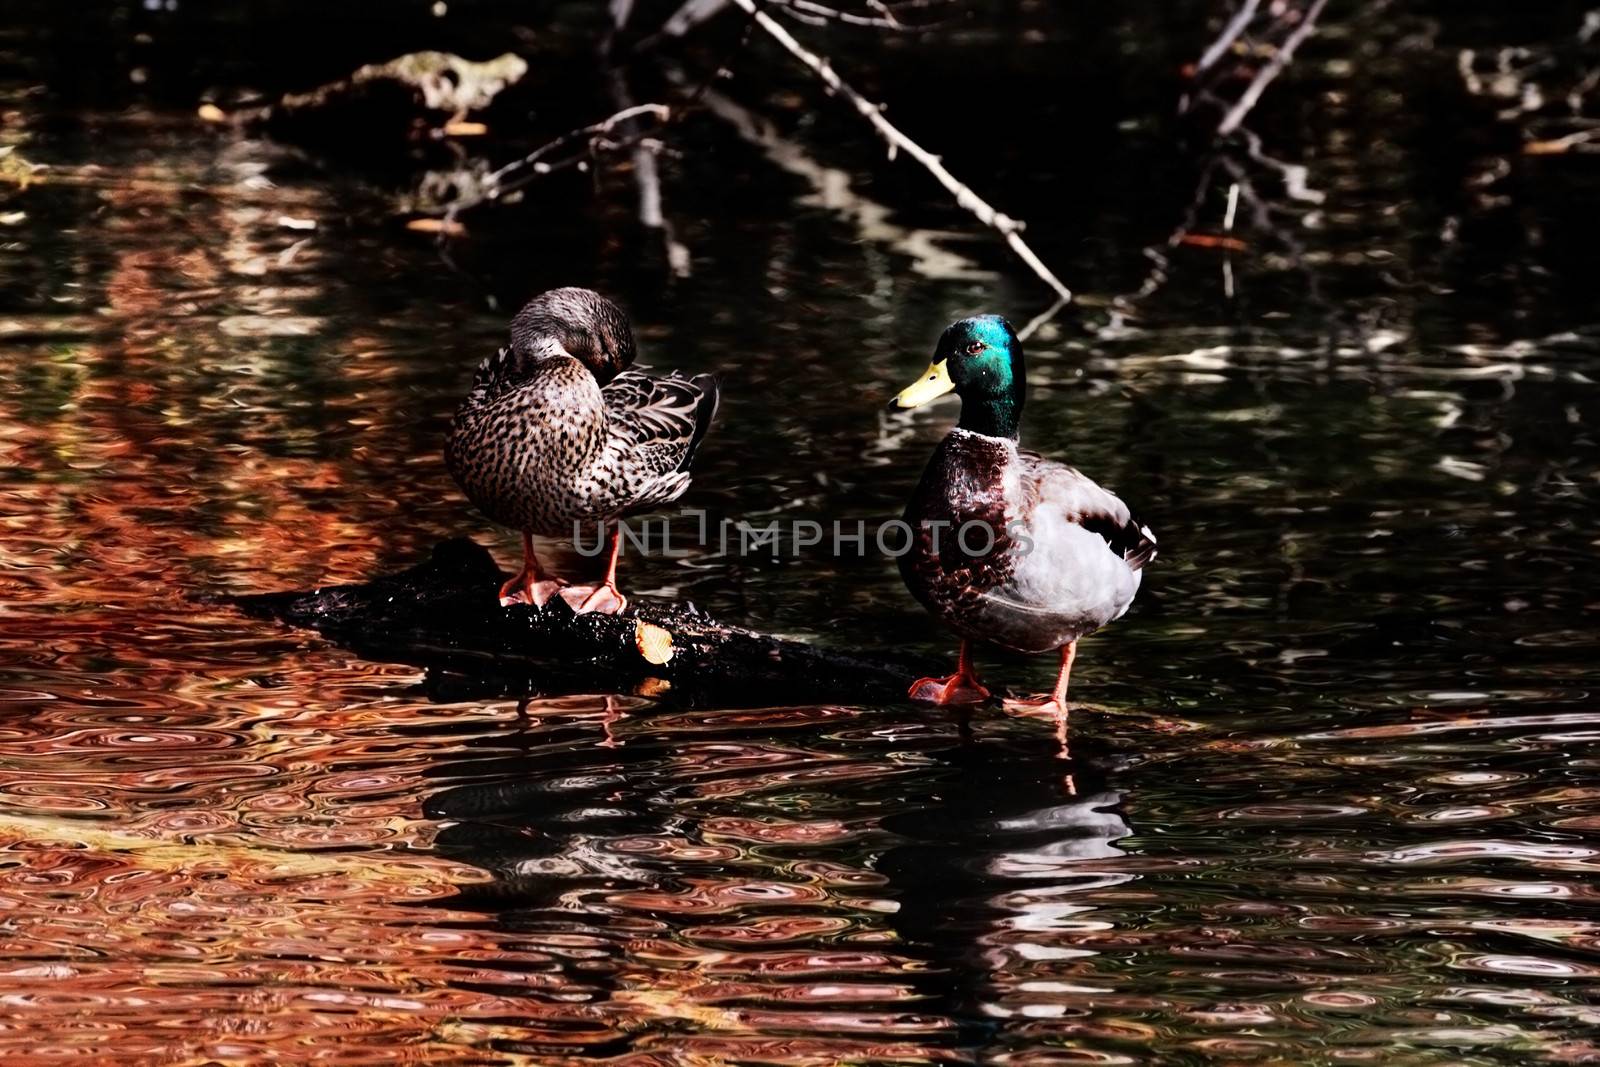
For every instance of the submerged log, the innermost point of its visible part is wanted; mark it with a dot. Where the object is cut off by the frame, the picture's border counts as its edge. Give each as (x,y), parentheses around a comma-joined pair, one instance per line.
(442,614)
(415,82)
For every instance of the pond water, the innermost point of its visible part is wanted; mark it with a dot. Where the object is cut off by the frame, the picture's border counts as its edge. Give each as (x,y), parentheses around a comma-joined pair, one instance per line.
(1331,793)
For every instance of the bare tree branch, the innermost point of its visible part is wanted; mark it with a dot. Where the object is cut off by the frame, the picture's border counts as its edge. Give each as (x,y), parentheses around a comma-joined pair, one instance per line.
(1230,33)
(497,184)
(1264,77)
(500,182)
(1009,228)
(692,13)
(1278,29)
(815,14)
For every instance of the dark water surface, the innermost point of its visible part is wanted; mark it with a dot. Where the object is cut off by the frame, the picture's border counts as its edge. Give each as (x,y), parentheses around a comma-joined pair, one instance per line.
(1331,796)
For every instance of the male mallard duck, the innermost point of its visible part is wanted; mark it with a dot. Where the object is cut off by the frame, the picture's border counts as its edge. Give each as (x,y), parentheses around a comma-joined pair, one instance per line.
(1010,548)
(557,431)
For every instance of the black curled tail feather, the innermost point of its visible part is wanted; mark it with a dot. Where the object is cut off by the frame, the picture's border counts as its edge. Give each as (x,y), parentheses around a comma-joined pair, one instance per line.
(705,410)
(1132,540)
(1139,544)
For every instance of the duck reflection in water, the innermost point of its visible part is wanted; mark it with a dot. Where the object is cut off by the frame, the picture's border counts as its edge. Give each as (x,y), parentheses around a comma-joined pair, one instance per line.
(722,881)
(996,874)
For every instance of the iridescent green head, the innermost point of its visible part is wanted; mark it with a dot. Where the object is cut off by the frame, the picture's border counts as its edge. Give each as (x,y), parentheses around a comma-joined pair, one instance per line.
(980,360)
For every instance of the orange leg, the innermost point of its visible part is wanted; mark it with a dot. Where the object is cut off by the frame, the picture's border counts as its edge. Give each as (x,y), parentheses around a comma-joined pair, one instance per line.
(604,597)
(1057,700)
(1056,703)
(526,587)
(961,687)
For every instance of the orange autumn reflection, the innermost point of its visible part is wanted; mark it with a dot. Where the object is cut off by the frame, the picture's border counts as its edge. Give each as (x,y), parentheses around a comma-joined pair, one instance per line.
(1331,794)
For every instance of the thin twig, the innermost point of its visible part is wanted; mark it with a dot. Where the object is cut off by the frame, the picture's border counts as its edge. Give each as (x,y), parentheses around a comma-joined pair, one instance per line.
(815,14)
(495,185)
(692,13)
(885,10)
(1230,33)
(1264,77)
(1009,228)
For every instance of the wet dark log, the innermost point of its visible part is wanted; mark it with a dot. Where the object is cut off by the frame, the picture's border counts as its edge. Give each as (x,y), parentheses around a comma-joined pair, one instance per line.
(381,114)
(441,614)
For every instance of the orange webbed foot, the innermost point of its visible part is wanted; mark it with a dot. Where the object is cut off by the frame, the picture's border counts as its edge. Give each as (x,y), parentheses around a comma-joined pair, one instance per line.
(959,688)
(1054,705)
(526,589)
(1053,708)
(603,598)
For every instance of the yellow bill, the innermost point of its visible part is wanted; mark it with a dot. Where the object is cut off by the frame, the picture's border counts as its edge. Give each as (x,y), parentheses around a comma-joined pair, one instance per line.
(934,383)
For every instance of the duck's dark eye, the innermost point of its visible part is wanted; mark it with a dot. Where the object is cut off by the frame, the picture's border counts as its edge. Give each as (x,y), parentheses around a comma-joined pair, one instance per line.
(974,348)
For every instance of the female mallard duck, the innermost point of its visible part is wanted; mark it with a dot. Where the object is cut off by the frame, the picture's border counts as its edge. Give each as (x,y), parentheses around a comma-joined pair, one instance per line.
(1009,548)
(557,432)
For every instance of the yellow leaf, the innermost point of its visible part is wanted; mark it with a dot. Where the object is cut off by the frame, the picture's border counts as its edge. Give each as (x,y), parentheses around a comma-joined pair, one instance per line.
(654,643)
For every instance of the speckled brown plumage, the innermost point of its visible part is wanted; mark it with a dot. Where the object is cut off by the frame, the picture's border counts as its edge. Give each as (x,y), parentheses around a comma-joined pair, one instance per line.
(557,431)
(963,483)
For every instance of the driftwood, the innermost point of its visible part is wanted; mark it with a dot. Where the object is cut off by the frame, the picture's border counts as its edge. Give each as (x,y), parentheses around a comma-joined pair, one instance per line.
(442,614)
(433,81)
